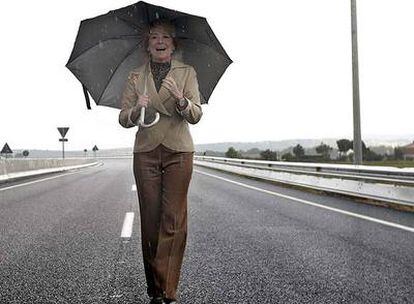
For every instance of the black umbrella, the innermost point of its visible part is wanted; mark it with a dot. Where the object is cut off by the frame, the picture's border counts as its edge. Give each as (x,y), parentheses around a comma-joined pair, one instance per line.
(109,46)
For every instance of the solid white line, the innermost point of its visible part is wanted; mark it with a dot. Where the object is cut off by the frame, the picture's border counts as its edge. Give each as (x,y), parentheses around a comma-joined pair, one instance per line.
(127,227)
(36,181)
(134,187)
(364,217)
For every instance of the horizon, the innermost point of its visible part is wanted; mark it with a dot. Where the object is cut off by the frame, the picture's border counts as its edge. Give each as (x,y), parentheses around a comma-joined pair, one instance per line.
(407,138)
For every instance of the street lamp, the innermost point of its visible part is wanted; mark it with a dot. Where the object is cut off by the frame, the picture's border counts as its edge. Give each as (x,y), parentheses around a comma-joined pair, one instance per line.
(355,87)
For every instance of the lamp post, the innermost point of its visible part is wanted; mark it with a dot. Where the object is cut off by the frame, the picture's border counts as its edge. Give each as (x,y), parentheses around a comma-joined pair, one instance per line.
(355,86)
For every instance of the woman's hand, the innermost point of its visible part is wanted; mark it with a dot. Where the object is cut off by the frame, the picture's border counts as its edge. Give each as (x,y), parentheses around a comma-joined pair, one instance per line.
(171,86)
(143,101)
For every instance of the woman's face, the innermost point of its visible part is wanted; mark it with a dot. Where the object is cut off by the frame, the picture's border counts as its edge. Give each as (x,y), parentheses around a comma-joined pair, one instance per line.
(160,44)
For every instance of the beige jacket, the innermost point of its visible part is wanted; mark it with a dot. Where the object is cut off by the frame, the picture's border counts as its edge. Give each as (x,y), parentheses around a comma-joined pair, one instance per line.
(172,129)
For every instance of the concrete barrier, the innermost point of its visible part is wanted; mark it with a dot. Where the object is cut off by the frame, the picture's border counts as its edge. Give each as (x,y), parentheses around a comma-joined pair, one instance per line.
(12,169)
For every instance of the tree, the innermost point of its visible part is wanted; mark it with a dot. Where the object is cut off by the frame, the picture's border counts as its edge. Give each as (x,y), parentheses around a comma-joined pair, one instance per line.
(369,155)
(232,153)
(344,145)
(398,153)
(268,155)
(324,150)
(372,156)
(298,151)
(288,157)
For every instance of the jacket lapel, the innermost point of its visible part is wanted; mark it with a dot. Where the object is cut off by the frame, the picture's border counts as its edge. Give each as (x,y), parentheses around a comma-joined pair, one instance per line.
(159,99)
(156,101)
(164,94)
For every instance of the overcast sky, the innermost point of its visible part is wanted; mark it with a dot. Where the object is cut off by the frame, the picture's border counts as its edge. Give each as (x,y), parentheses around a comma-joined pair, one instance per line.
(291,76)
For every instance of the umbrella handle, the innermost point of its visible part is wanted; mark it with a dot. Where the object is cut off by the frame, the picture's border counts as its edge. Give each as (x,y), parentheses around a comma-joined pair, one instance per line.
(142,117)
(142,114)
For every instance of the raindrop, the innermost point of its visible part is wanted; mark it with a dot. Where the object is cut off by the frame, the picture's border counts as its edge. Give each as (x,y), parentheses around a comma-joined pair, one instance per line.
(100,44)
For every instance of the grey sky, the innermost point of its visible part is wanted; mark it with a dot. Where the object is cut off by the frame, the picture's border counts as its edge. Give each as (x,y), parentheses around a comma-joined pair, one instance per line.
(291,76)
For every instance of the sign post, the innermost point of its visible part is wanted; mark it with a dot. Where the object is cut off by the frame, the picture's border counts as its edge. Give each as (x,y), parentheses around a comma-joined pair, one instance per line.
(63,131)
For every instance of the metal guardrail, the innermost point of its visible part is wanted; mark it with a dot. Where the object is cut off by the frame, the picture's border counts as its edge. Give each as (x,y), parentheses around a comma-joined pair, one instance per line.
(388,184)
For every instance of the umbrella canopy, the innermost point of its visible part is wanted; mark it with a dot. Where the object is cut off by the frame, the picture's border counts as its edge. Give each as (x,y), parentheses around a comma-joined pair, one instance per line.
(109,46)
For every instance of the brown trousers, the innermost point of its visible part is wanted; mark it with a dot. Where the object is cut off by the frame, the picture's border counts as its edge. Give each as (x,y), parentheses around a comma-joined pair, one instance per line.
(162,177)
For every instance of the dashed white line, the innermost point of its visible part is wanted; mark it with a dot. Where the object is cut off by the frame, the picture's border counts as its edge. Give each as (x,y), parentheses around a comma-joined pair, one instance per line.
(128,223)
(364,217)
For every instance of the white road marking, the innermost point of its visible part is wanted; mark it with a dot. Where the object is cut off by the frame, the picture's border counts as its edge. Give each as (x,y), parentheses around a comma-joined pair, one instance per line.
(364,217)
(37,181)
(134,187)
(127,227)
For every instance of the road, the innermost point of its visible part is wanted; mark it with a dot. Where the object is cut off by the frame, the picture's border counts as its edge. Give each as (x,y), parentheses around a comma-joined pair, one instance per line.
(248,242)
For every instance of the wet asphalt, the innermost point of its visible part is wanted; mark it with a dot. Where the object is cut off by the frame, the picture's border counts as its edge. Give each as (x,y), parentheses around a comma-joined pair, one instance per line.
(60,243)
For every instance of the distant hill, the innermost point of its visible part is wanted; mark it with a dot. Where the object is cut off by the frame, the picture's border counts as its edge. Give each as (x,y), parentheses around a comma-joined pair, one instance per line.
(306,143)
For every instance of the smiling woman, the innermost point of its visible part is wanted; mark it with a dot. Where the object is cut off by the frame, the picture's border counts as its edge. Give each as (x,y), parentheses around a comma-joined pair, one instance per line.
(163,157)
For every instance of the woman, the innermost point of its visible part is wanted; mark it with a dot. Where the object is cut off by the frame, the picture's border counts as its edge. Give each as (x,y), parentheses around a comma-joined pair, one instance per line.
(163,157)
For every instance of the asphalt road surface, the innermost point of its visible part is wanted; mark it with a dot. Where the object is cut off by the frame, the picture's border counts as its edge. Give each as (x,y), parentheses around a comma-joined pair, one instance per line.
(75,238)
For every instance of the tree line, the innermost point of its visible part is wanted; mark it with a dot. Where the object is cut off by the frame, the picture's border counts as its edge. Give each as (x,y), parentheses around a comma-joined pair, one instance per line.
(344,147)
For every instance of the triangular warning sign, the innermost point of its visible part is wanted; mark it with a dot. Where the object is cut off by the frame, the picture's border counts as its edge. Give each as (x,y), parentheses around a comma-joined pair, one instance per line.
(63,131)
(95,148)
(6,149)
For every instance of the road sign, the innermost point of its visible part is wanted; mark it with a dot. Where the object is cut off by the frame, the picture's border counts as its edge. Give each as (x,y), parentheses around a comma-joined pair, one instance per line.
(95,148)
(63,131)
(6,149)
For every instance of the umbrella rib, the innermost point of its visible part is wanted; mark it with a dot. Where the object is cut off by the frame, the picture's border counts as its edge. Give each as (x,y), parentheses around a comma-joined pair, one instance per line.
(214,85)
(218,49)
(103,40)
(131,24)
(224,54)
(121,61)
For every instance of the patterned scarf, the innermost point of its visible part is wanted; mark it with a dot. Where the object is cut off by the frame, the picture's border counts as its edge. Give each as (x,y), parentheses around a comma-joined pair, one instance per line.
(159,71)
